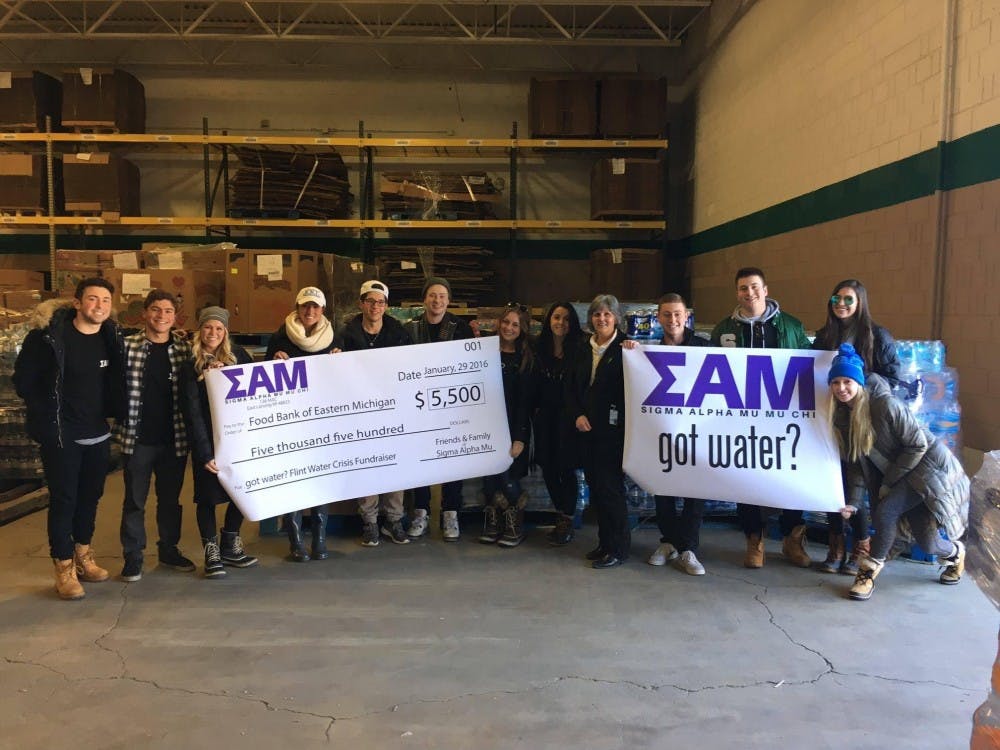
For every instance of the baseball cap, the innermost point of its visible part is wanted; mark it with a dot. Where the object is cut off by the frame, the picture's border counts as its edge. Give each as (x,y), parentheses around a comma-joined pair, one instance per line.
(374,286)
(311,294)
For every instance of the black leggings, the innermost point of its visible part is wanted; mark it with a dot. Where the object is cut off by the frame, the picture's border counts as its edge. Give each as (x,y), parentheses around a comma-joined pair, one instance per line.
(207,524)
(562,487)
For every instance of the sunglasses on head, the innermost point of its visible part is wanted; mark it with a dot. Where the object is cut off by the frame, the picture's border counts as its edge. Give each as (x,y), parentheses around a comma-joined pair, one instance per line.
(517,306)
(847,300)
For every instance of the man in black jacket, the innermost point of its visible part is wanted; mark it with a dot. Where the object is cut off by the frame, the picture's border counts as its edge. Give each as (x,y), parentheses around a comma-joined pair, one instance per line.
(373,329)
(69,374)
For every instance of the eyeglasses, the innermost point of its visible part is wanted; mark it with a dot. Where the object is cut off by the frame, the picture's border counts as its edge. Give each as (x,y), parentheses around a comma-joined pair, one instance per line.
(374,302)
(846,300)
(517,306)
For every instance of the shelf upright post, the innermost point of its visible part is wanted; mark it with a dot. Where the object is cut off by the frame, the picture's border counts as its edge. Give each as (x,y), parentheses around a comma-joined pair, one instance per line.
(208,179)
(367,209)
(225,185)
(667,264)
(50,190)
(512,207)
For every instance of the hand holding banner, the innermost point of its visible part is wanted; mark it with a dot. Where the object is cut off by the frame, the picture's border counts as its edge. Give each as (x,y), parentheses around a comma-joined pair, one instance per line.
(744,425)
(296,433)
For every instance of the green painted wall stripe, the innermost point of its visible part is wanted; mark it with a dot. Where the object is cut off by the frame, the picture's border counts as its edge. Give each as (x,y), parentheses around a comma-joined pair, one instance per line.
(967,161)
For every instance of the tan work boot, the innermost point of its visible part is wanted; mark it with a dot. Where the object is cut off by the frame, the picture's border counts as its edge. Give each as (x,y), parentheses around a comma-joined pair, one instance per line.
(755,552)
(67,585)
(954,566)
(793,547)
(835,555)
(861,547)
(864,581)
(87,568)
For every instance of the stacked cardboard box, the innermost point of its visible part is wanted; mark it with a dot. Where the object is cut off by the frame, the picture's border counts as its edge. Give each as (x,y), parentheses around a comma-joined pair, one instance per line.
(185,256)
(193,290)
(23,185)
(30,97)
(404,269)
(563,108)
(343,278)
(72,266)
(626,188)
(103,100)
(101,182)
(627,273)
(277,183)
(261,286)
(633,107)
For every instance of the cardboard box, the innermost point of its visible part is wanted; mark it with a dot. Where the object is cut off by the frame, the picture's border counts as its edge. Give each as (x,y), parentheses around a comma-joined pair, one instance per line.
(97,260)
(343,278)
(23,183)
(15,280)
(563,109)
(626,188)
(31,97)
(103,99)
(101,182)
(633,108)
(261,286)
(188,257)
(193,289)
(628,273)
(25,300)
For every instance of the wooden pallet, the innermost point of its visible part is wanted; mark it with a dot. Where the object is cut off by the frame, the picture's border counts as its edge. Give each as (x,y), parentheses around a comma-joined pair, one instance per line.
(14,127)
(95,128)
(22,211)
(625,215)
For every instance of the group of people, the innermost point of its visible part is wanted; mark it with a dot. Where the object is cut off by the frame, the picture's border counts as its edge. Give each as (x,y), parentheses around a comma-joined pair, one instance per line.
(564,392)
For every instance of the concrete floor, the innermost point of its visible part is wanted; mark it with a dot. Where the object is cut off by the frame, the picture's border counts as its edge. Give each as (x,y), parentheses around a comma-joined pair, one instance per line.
(435,645)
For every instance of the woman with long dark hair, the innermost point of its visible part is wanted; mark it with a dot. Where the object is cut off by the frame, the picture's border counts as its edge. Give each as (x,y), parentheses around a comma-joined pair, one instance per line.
(557,446)
(849,321)
(505,501)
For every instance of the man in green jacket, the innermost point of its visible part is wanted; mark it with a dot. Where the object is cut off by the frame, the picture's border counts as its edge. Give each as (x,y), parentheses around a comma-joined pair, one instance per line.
(759,323)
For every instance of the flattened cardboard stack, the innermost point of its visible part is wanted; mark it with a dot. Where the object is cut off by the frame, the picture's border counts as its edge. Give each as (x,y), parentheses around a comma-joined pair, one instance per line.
(23,186)
(563,108)
(626,188)
(261,286)
(103,100)
(405,267)
(343,278)
(101,183)
(633,107)
(273,183)
(447,196)
(29,98)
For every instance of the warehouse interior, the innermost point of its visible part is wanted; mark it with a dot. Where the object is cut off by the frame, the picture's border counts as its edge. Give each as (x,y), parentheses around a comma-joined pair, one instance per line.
(817,141)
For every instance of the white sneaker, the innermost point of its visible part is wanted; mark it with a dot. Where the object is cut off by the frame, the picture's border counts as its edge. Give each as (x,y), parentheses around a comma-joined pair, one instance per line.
(418,526)
(689,564)
(663,553)
(450,525)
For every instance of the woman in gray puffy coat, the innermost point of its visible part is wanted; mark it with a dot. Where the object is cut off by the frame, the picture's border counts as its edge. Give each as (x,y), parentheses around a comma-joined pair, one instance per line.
(911,476)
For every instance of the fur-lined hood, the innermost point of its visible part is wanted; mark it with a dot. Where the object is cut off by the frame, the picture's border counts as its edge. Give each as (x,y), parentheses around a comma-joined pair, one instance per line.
(43,314)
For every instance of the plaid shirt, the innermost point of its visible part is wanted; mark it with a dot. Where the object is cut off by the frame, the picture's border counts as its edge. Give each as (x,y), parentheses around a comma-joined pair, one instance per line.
(136,350)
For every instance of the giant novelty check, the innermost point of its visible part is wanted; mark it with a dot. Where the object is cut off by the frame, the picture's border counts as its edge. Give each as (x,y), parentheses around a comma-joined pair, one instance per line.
(292,434)
(745,425)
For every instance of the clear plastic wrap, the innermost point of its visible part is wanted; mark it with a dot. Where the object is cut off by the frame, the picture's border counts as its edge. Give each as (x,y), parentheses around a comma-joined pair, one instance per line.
(983,557)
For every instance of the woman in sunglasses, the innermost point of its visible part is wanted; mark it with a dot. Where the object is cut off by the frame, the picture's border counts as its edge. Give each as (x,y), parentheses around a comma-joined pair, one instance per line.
(848,321)
(503,522)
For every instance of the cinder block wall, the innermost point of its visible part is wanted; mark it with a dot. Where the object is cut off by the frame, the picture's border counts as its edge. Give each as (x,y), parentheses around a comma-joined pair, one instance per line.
(829,92)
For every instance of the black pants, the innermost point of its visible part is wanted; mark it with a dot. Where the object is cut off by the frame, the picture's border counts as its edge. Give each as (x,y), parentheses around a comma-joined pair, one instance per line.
(607,495)
(562,487)
(451,496)
(503,483)
(682,530)
(139,468)
(75,475)
(903,502)
(752,519)
(208,526)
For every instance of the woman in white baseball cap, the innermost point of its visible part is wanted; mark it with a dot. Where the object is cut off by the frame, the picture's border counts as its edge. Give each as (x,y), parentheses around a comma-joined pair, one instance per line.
(305,332)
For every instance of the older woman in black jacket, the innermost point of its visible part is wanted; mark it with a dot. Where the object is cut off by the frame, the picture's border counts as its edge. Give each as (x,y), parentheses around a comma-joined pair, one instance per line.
(595,397)
(211,348)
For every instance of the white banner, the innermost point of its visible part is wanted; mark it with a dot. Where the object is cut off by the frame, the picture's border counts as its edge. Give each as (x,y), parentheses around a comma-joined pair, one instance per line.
(743,425)
(302,432)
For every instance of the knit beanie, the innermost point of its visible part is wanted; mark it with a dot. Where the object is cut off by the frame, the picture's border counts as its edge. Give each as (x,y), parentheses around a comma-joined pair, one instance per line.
(214,313)
(431,281)
(847,364)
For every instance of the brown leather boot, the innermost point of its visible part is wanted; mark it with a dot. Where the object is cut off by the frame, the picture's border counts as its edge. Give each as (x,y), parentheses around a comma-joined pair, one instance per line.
(835,555)
(87,568)
(861,547)
(793,547)
(67,585)
(755,552)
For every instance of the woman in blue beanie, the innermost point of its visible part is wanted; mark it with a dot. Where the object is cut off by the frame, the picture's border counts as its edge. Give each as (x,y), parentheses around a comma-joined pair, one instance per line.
(908,473)
(849,321)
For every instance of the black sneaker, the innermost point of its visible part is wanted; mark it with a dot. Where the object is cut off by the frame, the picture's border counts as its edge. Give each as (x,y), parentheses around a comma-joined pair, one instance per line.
(172,558)
(369,535)
(394,530)
(133,569)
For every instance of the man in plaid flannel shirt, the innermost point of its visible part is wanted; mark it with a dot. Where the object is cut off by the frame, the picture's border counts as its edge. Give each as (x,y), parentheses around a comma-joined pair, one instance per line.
(153,436)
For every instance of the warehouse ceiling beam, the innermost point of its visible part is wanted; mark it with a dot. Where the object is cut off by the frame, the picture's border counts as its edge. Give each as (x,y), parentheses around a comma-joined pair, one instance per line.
(16,11)
(108,12)
(200,19)
(399,20)
(11,12)
(357,20)
(652,24)
(163,20)
(299,19)
(555,24)
(256,16)
(465,29)
(59,13)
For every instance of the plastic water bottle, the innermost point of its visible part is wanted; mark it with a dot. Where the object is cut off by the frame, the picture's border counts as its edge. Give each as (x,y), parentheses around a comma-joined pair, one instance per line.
(582,492)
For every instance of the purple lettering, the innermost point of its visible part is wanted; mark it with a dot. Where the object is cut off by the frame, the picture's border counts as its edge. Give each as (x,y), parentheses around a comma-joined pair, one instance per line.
(760,372)
(259,380)
(704,385)
(234,383)
(297,379)
(660,395)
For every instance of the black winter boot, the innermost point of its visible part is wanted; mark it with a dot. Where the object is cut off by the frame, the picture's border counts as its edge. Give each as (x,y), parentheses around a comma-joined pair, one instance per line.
(562,532)
(297,549)
(213,561)
(513,522)
(319,516)
(232,551)
(491,519)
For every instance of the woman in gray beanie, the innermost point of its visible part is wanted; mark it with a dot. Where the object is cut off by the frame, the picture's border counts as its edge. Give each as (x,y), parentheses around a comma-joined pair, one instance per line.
(212,347)
(909,474)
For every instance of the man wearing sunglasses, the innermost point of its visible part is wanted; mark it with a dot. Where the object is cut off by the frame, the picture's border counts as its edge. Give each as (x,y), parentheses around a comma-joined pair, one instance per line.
(373,329)
(758,322)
